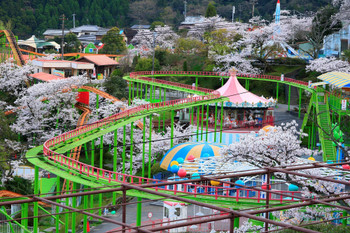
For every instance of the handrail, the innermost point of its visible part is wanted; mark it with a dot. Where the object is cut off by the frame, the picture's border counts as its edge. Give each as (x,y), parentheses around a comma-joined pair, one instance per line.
(186,86)
(207,73)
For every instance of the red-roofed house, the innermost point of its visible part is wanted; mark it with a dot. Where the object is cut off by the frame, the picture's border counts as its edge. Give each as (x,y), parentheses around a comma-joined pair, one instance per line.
(103,64)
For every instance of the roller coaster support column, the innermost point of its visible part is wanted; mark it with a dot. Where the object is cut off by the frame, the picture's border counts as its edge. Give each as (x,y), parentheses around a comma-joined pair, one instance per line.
(133,90)
(149,146)
(215,119)
(143,146)
(345,220)
(137,90)
(141,90)
(36,192)
(196,81)
(24,214)
(221,120)
(129,100)
(197,123)
(85,216)
(151,94)
(139,211)
(58,189)
(74,203)
(289,86)
(101,153)
(202,116)
(267,200)
(92,164)
(146,91)
(247,84)
(123,154)
(299,102)
(164,91)
(172,129)
(131,145)
(97,101)
(236,222)
(115,144)
(160,99)
(277,87)
(66,228)
(206,126)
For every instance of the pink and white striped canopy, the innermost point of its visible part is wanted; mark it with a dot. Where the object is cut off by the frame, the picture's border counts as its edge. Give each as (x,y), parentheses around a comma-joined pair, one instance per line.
(238,94)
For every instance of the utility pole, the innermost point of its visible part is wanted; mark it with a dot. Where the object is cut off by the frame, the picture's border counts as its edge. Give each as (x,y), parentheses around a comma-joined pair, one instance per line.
(73,20)
(185,10)
(62,39)
(233,13)
(154,47)
(253,2)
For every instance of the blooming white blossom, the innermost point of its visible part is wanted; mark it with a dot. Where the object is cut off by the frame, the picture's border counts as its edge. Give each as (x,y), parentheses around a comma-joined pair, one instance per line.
(329,64)
(162,37)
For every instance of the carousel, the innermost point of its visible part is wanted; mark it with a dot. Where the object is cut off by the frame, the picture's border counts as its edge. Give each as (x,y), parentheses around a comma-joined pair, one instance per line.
(243,109)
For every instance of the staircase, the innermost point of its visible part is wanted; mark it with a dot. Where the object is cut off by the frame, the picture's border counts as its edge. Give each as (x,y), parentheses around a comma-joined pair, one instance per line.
(324,130)
(15,49)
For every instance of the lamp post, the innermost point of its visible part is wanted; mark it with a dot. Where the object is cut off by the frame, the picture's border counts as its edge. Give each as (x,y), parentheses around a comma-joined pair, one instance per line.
(154,47)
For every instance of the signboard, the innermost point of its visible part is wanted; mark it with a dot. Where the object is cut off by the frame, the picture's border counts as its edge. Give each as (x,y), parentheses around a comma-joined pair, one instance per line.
(58,73)
(100,76)
(150,214)
(83,97)
(343,104)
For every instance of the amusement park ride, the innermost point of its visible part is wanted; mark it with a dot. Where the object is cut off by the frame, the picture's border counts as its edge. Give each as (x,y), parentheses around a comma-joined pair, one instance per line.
(60,156)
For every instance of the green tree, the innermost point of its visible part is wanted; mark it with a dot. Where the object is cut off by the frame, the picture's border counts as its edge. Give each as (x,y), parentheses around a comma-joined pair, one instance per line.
(115,85)
(211,10)
(190,46)
(113,42)
(72,44)
(19,185)
(155,24)
(145,64)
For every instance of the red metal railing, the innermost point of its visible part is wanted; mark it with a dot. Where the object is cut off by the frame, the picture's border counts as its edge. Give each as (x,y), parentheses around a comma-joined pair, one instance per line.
(200,73)
(151,80)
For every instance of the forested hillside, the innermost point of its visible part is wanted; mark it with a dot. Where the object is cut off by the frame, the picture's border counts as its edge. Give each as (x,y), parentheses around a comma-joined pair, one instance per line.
(35,16)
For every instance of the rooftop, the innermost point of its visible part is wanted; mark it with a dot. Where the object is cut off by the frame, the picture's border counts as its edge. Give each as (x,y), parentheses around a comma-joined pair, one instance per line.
(100,60)
(140,27)
(45,77)
(189,20)
(88,28)
(55,32)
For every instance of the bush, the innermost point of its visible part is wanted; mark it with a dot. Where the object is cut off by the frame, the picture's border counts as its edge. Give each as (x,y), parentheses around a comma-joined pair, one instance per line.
(146,64)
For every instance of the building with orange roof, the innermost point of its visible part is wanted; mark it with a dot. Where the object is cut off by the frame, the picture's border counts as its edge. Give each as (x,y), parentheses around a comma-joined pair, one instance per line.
(104,65)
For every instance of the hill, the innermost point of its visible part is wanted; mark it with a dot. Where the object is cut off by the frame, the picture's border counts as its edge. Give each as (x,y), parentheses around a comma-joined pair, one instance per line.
(35,16)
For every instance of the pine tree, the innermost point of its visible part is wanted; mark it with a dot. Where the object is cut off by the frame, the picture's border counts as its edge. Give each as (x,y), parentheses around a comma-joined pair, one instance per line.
(211,10)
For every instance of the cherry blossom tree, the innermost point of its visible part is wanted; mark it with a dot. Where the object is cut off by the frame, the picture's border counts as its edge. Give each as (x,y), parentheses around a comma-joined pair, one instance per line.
(46,109)
(162,37)
(13,78)
(329,64)
(280,146)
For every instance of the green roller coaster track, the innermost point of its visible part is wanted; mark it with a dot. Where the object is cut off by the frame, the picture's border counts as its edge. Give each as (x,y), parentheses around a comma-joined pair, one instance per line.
(53,150)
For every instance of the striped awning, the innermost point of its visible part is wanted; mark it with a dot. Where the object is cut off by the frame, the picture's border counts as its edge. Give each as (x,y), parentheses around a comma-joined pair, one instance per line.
(317,84)
(338,79)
